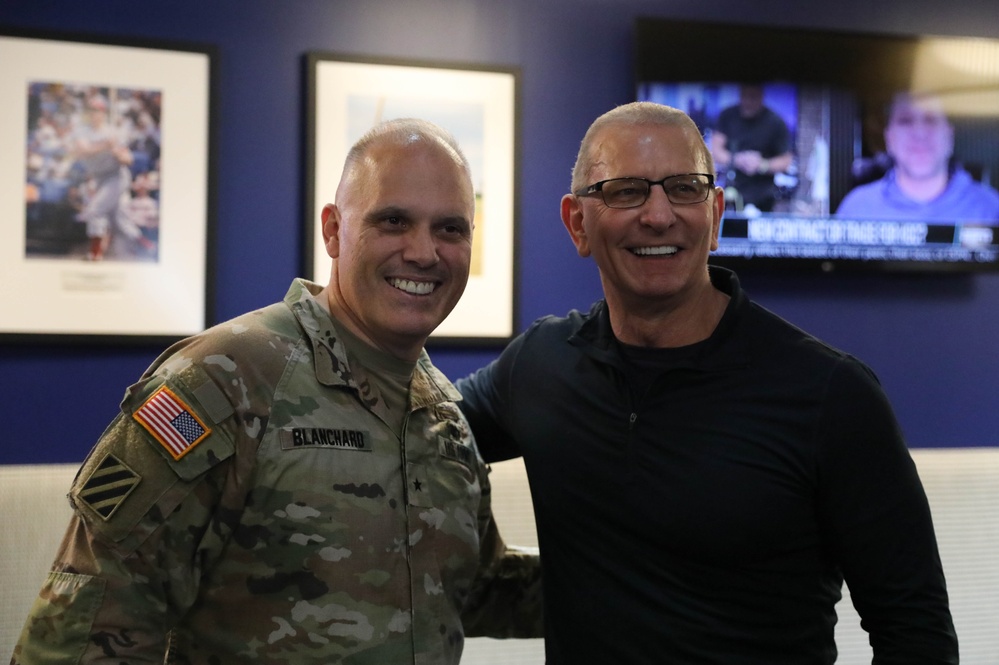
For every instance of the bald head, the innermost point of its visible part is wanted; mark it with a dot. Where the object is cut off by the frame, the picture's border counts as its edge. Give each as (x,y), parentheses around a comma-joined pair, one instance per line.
(636,114)
(400,133)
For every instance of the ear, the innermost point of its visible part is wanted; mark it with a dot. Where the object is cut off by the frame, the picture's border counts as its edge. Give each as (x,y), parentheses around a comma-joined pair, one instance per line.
(572,217)
(718,205)
(331,229)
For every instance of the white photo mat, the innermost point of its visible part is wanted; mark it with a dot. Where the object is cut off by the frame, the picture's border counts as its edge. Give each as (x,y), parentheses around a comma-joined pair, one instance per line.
(478,106)
(162,298)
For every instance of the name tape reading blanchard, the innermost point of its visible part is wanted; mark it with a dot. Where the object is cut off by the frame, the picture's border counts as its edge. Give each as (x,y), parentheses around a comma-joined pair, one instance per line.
(324,437)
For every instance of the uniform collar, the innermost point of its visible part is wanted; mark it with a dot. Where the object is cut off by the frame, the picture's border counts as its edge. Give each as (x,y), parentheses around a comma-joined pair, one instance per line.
(332,367)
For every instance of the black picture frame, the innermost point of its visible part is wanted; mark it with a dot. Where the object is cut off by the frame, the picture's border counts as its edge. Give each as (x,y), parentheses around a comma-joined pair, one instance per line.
(139,269)
(479,104)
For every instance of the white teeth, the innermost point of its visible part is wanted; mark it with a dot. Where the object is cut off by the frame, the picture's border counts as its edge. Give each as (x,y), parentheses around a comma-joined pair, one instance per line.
(409,286)
(656,251)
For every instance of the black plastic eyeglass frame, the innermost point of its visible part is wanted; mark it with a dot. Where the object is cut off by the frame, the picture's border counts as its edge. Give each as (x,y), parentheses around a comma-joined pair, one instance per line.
(598,187)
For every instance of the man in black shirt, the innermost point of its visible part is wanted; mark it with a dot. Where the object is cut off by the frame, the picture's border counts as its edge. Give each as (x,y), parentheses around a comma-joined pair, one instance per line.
(704,474)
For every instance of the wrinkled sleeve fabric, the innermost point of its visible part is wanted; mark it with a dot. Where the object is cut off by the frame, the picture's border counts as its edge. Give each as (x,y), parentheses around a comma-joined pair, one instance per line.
(879,524)
(509,576)
(505,599)
(130,563)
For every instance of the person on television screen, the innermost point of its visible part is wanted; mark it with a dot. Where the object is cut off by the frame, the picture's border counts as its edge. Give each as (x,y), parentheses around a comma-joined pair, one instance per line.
(705,475)
(751,143)
(297,485)
(923,181)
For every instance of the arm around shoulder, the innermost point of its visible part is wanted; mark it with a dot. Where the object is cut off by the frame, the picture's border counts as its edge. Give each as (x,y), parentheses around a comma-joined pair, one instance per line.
(505,599)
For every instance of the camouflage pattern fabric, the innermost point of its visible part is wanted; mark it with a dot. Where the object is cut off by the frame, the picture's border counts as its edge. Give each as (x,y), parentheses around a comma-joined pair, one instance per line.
(248,505)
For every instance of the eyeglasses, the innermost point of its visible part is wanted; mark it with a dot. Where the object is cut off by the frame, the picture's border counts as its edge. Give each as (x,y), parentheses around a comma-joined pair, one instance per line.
(682,189)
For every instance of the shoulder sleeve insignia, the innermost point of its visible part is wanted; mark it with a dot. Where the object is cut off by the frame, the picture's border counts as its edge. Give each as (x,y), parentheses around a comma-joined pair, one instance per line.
(108,486)
(171,422)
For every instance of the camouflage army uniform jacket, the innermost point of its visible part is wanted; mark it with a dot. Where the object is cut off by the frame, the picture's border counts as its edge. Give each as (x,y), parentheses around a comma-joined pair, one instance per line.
(250,504)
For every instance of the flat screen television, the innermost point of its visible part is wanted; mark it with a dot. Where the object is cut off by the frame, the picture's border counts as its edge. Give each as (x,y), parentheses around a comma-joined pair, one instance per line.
(839,151)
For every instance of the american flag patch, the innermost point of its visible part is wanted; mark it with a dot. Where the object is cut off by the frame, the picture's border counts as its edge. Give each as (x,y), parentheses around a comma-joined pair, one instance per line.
(171,422)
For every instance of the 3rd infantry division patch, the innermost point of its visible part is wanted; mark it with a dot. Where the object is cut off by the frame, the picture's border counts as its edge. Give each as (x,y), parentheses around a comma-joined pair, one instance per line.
(108,486)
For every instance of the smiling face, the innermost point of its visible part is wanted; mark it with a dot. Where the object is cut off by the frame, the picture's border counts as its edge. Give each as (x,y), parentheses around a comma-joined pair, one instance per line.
(400,235)
(655,254)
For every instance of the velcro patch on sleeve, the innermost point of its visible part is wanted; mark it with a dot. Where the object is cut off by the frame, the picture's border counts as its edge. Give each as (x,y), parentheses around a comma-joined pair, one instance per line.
(108,485)
(172,422)
(455,450)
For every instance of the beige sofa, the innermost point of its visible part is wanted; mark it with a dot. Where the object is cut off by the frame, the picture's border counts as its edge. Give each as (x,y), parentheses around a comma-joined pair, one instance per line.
(962,484)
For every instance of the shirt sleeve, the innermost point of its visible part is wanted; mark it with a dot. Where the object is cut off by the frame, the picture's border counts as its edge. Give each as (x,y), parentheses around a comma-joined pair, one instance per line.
(505,599)
(782,136)
(879,524)
(129,565)
(486,400)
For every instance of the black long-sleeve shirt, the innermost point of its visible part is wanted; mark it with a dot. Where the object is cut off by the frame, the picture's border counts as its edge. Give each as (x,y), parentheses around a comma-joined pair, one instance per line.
(704,504)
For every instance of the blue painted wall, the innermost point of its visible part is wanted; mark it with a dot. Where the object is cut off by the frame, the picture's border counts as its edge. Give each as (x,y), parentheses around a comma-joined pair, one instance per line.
(932,340)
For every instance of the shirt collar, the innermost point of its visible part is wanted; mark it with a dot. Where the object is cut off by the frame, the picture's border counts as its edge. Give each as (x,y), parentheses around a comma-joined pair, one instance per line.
(332,367)
(726,347)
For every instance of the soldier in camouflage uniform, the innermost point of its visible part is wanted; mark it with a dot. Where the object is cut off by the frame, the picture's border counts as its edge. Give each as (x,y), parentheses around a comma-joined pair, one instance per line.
(297,485)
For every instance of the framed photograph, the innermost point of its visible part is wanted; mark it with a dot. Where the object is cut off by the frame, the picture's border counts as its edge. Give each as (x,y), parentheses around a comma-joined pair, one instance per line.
(479,106)
(106,189)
